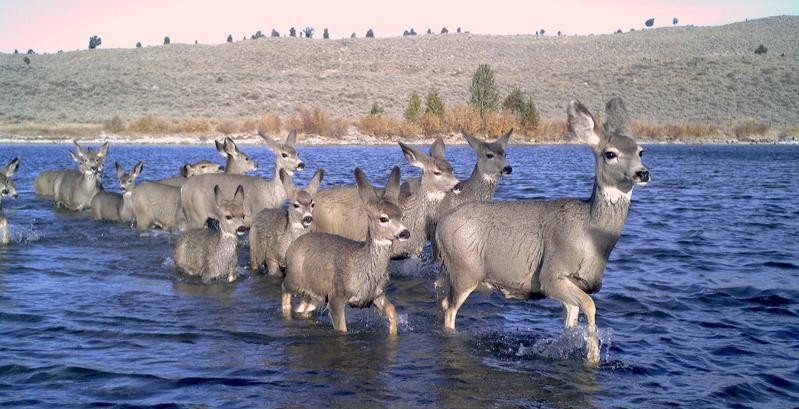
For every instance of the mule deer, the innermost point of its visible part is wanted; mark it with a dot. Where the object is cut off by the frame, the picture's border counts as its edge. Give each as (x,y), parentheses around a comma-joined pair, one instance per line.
(157,205)
(74,190)
(214,254)
(273,230)
(7,188)
(556,248)
(340,211)
(115,206)
(329,268)
(192,169)
(261,193)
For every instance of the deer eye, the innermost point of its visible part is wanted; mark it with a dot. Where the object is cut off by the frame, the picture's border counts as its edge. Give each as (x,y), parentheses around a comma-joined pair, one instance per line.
(610,155)
(641,154)
(229,217)
(296,205)
(437,172)
(489,155)
(284,154)
(383,219)
(312,204)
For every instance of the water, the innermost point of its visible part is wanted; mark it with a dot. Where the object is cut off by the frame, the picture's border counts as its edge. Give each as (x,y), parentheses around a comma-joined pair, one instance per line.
(698,307)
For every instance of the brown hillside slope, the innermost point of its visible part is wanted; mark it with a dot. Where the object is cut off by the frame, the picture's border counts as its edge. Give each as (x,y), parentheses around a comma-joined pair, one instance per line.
(702,74)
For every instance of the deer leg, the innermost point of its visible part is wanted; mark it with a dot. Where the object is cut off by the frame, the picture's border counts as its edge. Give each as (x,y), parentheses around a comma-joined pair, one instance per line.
(456,298)
(286,303)
(383,305)
(569,294)
(272,267)
(570,315)
(338,316)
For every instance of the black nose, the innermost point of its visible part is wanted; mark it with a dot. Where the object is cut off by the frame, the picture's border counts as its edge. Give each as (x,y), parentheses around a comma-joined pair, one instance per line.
(301,166)
(307,220)
(405,235)
(241,229)
(94,168)
(458,187)
(5,191)
(507,170)
(643,175)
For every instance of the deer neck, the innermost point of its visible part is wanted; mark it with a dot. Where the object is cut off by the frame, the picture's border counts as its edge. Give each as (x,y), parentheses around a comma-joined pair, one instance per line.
(607,214)
(378,253)
(232,167)
(480,186)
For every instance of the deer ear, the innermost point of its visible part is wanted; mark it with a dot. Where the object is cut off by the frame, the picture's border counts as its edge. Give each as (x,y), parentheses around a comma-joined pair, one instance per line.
(184,170)
(475,143)
(120,171)
(138,168)
(220,147)
(103,150)
(437,149)
(79,150)
(617,120)
(503,140)
(414,156)
(269,141)
(292,138)
(217,195)
(288,184)
(11,168)
(230,147)
(365,190)
(581,123)
(239,195)
(393,186)
(76,157)
(316,180)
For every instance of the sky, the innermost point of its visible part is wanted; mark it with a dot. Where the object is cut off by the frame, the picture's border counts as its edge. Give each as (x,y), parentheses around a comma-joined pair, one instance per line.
(52,25)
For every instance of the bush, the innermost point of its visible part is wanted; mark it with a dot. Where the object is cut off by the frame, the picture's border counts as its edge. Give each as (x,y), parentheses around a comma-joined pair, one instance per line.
(433,104)
(444,30)
(94,42)
(292,32)
(514,102)
(16,51)
(227,127)
(26,60)
(483,90)
(166,41)
(270,124)
(528,117)
(318,122)
(458,30)
(674,21)
(138,44)
(193,125)
(412,32)
(31,52)
(230,38)
(353,35)
(308,32)
(326,34)
(275,33)
(370,34)
(761,49)
(405,33)
(114,125)
(413,109)
(376,110)
(429,31)
(650,22)
(149,124)
(746,129)
(542,31)
(376,125)
(257,35)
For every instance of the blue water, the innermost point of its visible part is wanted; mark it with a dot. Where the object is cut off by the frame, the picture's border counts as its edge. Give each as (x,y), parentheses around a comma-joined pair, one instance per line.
(698,307)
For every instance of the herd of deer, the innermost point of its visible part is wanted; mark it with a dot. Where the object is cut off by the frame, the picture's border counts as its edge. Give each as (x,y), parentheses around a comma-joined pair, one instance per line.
(333,246)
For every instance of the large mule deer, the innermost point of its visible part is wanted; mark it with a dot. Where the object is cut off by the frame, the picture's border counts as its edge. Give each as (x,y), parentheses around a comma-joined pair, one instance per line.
(556,248)
(192,169)
(74,190)
(329,268)
(117,206)
(238,163)
(196,194)
(7,188)
(340,211)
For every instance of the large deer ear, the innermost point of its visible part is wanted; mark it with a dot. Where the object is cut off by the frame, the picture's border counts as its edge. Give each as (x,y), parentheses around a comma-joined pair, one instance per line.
(220,147)
(184,170)
(617,119)
(288,184)
(392,191)
(581,123)
(503,140)
(77,157)
(217,195)
(437,149)
(238,197)
(11,168)
(230,147)
(316,181)
(120,171)
(414,156)
(475,143)
(137,169)
(103,151)
(365,189)
(292,138)
(79,150)
(269,141)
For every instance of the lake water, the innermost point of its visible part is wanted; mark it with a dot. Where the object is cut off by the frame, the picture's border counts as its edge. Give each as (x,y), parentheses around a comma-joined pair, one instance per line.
(698,307)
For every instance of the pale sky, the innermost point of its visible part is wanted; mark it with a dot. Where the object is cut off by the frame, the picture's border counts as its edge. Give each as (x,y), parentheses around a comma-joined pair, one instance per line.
(49,26)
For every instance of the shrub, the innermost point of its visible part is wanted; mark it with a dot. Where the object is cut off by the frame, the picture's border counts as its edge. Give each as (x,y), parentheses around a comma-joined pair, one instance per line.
(514,102)
(463,117)
(308,32)
(432,124)
(114,125)
(444,30)
(193,125)
(94,42)
(230,38)
(528,117)
(149,124)
(618,31)
(326,34)
(405,33)
(26,60)
(412,32)
(497,123)
(166,40)
(429,31)
(483,90)
(413,109)
(674,21)
(458,30)
(227,127)
(16,51)
(248,125)
(650,22)
(353,35)
(542,31)
(433,104)
(31,52)
(275,33)
(376,110)
(370,34)
(270,124)
(292,32)
(559,33)
(761,49)
(138,44)
(318,122)
(376,125)
(746,129)
(257,35)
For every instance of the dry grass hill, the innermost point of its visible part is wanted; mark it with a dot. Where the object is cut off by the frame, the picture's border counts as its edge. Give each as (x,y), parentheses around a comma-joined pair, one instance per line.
(700,76)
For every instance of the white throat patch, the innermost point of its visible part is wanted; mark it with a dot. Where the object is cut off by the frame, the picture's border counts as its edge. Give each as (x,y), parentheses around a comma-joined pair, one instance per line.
(614,196)
(382,242)
(437,196)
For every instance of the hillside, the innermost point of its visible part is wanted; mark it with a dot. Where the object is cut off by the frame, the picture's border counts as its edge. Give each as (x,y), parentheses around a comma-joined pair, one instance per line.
(700,74)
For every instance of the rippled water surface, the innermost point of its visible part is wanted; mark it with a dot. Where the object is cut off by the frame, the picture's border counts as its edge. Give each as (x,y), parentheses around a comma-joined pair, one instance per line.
(698,305)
